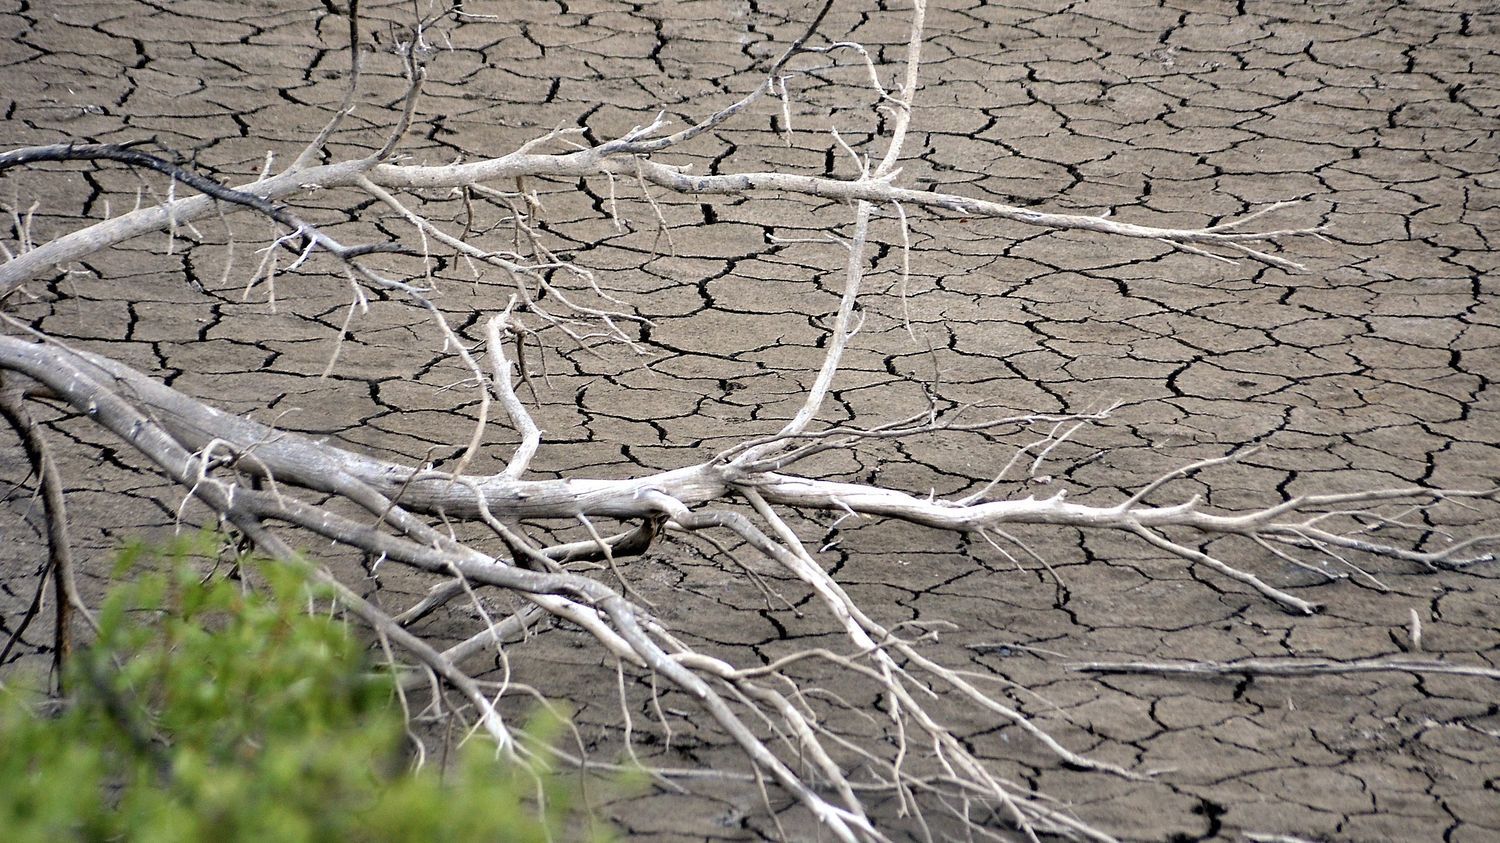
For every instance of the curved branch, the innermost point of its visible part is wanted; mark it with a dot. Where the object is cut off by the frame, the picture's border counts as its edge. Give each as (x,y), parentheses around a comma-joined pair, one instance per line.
(613,158)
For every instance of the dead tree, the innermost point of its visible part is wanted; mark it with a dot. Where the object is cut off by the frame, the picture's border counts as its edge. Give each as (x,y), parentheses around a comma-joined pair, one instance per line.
(286,491)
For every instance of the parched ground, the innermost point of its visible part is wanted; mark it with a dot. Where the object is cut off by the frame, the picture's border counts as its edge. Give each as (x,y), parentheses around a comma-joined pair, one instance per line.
(1371,368)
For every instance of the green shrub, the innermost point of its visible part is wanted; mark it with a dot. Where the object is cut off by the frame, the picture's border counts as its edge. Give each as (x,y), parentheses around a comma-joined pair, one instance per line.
(206,712)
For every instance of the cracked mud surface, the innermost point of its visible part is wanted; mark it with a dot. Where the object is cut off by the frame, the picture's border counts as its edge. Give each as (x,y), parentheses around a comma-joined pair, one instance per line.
(1372,368)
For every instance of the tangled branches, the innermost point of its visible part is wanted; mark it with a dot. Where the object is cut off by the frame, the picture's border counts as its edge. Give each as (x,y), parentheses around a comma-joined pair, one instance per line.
(283,490)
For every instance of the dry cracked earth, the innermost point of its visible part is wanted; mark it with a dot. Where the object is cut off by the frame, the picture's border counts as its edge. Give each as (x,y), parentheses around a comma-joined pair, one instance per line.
(1371,368)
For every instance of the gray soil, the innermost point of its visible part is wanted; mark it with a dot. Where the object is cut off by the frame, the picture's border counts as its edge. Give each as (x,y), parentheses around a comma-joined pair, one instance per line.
(1369,369)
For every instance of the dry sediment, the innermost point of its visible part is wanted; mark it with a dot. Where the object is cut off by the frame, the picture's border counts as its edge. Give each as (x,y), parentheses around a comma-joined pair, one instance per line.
(1373,368)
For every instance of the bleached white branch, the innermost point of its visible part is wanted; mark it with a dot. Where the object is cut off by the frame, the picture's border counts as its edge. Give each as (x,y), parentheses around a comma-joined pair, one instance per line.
(1290,667)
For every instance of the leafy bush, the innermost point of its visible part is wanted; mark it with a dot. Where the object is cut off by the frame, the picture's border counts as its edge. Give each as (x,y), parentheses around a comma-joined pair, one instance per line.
(206,711)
